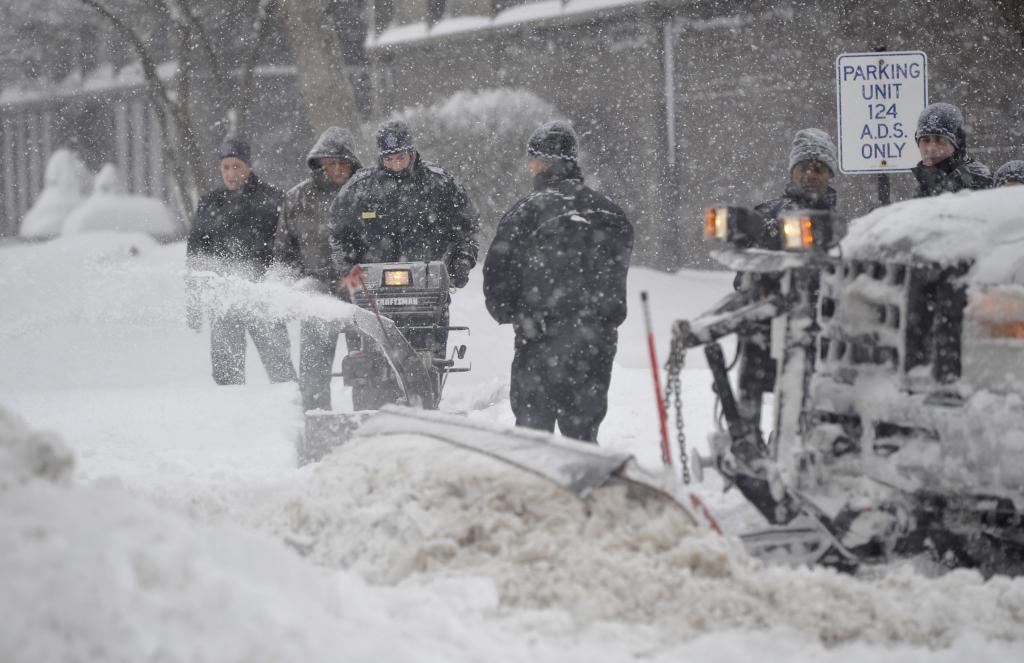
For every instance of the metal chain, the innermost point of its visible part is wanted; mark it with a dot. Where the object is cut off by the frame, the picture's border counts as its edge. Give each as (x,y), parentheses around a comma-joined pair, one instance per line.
(674,395)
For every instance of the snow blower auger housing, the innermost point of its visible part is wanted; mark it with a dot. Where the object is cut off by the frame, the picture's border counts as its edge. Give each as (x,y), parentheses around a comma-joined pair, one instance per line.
(415,295)
(898,356)
(397,344)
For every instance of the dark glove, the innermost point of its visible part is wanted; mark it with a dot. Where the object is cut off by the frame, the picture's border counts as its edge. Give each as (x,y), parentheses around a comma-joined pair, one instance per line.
(459,271)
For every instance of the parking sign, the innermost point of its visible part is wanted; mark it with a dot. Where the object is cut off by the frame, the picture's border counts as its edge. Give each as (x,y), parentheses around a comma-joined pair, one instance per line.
(878,99)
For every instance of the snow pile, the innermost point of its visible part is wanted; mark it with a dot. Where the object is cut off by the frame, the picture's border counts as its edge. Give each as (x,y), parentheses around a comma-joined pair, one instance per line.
(946,229)
(26,454)
(97,574)
(66,182)
(408,509)
(110,208)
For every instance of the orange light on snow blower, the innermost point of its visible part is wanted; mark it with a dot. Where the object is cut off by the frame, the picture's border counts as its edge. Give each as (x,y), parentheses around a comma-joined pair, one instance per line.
(397,277)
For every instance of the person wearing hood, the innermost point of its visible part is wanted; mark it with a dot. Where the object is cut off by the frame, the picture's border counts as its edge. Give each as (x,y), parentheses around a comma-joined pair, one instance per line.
(232,234)
(945,166)
(404,209)
(302,247)
(556,271)
(812,166)
(1010,173)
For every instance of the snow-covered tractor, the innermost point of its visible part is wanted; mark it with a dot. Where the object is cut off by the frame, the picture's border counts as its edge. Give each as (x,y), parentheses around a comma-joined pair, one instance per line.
(898,421)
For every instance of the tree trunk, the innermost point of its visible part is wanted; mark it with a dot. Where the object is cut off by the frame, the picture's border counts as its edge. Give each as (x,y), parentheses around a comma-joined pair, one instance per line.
(323,84)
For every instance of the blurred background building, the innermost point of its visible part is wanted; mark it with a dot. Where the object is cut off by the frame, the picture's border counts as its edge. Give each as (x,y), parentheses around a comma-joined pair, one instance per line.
(679,103)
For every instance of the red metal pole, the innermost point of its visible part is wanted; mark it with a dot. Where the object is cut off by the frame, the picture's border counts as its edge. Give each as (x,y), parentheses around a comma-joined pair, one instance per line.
(666,454)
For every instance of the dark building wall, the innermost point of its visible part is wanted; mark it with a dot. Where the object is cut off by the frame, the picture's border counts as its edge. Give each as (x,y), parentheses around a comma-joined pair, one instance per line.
(748,78)
(603,73)
(747,75)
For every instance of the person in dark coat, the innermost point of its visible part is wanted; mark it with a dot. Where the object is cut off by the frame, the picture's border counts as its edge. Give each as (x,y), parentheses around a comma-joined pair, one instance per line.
(556,271)
(1010,173)
(302,246)
(945,166)
(812,166)
(404,209)
(232,234)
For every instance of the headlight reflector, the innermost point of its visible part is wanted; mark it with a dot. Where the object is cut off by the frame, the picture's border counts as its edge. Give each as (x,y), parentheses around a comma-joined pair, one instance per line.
(797,233)
(716,223)
(397,277)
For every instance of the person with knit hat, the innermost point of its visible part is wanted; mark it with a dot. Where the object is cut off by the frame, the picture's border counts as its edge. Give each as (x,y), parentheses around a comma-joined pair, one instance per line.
(302,247)
(404,209)
(232,234)
(812,166)
(1010,173)
(556,271)
(945,166)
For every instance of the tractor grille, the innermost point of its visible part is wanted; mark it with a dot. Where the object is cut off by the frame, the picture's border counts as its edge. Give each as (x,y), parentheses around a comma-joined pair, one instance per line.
(890,316)
(868,318)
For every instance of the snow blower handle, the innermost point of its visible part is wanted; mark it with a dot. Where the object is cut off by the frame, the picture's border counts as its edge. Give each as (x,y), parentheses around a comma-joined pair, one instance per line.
(666,454)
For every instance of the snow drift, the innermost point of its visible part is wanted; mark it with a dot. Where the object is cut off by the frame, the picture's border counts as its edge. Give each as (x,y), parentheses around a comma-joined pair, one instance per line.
(111,208)
(66,182)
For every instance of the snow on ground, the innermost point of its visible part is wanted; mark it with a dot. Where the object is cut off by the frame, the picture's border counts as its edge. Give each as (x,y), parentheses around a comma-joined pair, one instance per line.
(185,531)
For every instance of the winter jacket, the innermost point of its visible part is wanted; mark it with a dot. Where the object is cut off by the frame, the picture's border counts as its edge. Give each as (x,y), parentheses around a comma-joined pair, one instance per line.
(559,258)
(233,232)
(954,174)
(422,213)
(302,243)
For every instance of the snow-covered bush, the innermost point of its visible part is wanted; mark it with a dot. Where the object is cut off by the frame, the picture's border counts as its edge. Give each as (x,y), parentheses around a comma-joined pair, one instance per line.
(480,137)
(110,208)
(65,184)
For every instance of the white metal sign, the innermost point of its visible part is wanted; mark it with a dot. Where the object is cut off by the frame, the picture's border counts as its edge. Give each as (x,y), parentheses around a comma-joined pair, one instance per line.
(878,99)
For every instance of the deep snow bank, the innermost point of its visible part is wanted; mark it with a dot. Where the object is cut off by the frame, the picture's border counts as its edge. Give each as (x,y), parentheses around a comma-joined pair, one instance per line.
(26,454)
(403,509)
(98,574)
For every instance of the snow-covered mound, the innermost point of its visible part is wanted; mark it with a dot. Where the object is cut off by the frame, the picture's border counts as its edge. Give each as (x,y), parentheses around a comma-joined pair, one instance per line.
(409,509)
(110,208)
(966,226)
(97,574)
(26,454)
(66,182)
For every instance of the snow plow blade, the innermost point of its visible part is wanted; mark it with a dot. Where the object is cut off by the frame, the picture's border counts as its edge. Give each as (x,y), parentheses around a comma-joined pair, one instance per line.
(576,467)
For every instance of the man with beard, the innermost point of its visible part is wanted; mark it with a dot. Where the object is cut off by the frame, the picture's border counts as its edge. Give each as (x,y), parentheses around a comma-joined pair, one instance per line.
(302,245)
(556,271)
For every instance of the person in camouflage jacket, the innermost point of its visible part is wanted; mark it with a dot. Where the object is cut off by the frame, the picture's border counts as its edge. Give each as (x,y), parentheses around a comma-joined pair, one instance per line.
(302,247)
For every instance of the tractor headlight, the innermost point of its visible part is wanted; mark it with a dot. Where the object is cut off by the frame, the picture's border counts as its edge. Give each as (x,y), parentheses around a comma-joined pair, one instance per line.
(736,225)
(810,230)
(797,233)
(999,313)
(716,223)
(397,277)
